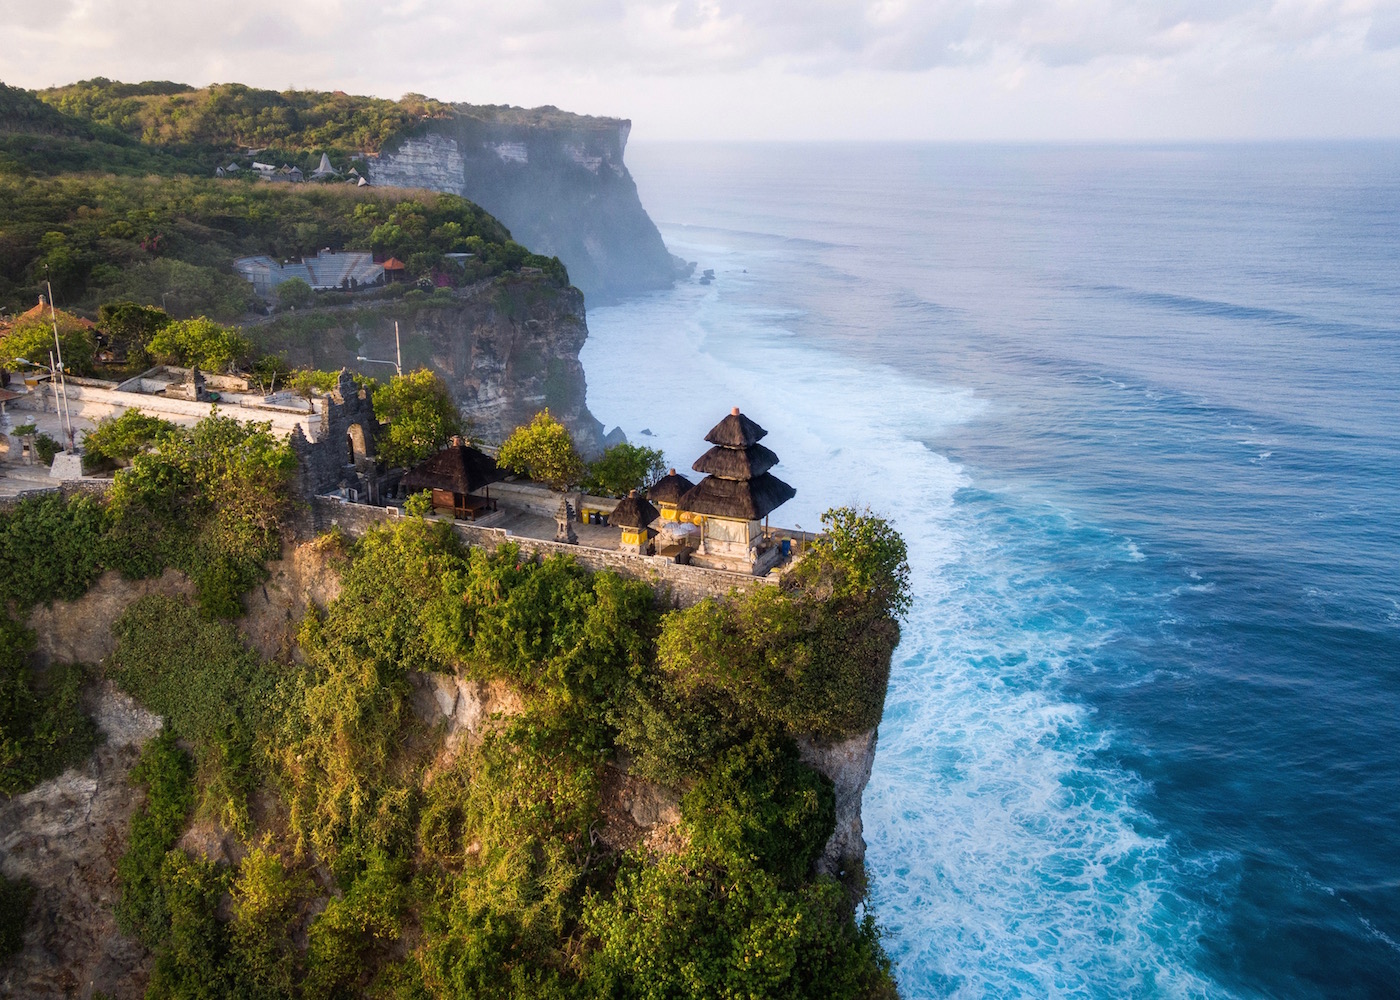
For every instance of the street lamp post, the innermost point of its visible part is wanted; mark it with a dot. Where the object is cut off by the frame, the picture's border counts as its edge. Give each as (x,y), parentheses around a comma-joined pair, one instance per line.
(398,354)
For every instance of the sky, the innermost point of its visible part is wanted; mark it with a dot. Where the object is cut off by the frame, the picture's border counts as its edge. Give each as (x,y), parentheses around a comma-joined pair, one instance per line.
(999,70)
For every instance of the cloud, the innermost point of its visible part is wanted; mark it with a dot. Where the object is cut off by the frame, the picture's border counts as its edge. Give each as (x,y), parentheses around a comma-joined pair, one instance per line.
(568,53)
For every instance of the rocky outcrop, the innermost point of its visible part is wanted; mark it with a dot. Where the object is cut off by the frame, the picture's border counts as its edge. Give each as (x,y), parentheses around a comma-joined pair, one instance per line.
(65,837)
(507,349)
(556,180)
(308,573)
(847,763)
(469,708)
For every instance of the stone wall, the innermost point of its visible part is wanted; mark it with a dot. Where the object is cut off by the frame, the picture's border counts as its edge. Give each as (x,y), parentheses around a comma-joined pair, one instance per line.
(324,461)
(681,585)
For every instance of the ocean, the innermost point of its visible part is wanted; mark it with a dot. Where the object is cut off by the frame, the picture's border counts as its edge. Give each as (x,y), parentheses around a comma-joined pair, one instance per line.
(1136,410)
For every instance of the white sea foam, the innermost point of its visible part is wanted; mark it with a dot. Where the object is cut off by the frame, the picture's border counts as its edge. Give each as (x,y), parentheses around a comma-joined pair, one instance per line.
(1005,859)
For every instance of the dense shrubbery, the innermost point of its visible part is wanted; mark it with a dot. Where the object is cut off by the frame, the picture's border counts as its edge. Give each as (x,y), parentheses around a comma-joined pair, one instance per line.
(492,855)
(210,501)
(214,693)
(165,771)
(622,468)
(420,415)
(543,450)
(15,897)
(105,238)
(232,115)
(115,441)
(42,727)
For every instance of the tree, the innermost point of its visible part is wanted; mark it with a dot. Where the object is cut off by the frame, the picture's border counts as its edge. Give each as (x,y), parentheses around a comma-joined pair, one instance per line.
(201,343)
(543,450)
(420,414)
(130,326)
(32,340)
(117,440)
(295,293)
(624,467)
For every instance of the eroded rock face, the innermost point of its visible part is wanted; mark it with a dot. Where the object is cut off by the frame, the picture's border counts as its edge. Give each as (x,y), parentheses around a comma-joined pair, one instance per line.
(65,837)
(847,763)
(470,707)
(308,573)
(506,350)
(81,631)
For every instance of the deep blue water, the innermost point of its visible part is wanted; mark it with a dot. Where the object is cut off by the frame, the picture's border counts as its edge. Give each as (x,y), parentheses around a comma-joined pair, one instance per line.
(1137,412)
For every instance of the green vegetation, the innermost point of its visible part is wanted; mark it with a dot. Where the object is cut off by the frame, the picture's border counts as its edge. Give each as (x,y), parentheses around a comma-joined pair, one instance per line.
(43,730)
(15,897)
(165,772)
(199,343)
(543,450)
(115,441)
(622,468)
(210,500)
(231,116)
(379,866)
(151,240)
(30,342)
(420,415)
(214,694)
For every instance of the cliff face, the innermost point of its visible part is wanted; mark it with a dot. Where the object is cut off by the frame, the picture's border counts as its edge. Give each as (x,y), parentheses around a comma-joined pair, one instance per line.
(505,349)
(556,180)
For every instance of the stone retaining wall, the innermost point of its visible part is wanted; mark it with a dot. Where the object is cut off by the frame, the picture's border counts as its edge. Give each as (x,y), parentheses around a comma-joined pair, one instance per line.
(681,585)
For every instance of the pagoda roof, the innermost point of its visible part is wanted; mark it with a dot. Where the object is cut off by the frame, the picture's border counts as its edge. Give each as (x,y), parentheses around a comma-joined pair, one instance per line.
(393,264)
(735,431)
(458,468)
(633,511)
(749,499)
(669,488)
(736,463)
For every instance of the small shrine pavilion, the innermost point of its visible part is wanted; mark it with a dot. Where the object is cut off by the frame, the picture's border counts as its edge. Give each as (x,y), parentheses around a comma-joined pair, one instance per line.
(736,495)
(666,493)
(454,473)
(634,514)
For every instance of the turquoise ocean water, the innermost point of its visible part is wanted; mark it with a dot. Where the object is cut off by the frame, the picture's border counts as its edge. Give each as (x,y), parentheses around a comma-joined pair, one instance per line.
(1136,411)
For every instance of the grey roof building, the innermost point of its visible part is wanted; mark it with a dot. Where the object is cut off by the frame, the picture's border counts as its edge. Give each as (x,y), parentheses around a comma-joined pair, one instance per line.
(327,270)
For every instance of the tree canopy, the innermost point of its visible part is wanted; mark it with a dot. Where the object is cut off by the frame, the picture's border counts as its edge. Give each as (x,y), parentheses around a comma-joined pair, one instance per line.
(544,450)
(420,414)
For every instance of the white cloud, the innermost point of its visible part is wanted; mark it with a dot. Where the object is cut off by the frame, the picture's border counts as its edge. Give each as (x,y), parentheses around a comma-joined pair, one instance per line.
(1165,61)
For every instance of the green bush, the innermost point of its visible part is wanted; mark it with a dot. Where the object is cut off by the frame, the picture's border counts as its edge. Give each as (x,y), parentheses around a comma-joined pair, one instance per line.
(15,897)
(214,692)
(167,773)
(543,450)
(117,440)
(191,959)
(679,929)
(622,468)
(47,447)
(53,548)
(43,730)
(420,415)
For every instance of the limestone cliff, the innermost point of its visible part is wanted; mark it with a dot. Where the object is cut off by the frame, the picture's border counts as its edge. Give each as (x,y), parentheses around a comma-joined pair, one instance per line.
(556,180)
(506,349)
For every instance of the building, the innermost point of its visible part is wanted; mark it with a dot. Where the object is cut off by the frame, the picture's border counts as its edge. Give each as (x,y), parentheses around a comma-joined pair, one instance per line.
(453,474)
(324,171)
(666,493)
(634,514)
(344,270)
(737,494)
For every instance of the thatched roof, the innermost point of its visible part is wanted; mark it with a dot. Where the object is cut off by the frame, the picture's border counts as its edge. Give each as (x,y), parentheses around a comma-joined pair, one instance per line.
(458,468)
(735,431)
(736,463)
(748,499)
(669,488)
(632,511)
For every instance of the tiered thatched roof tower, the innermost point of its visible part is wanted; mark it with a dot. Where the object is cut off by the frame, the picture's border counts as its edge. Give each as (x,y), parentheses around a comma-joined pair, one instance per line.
(737,484)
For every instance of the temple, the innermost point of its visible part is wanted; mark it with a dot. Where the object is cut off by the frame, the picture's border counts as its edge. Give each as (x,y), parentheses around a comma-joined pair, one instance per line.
(730,505)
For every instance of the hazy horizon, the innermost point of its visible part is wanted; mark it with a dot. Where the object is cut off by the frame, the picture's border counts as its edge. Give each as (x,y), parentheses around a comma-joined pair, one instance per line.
(943,70)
